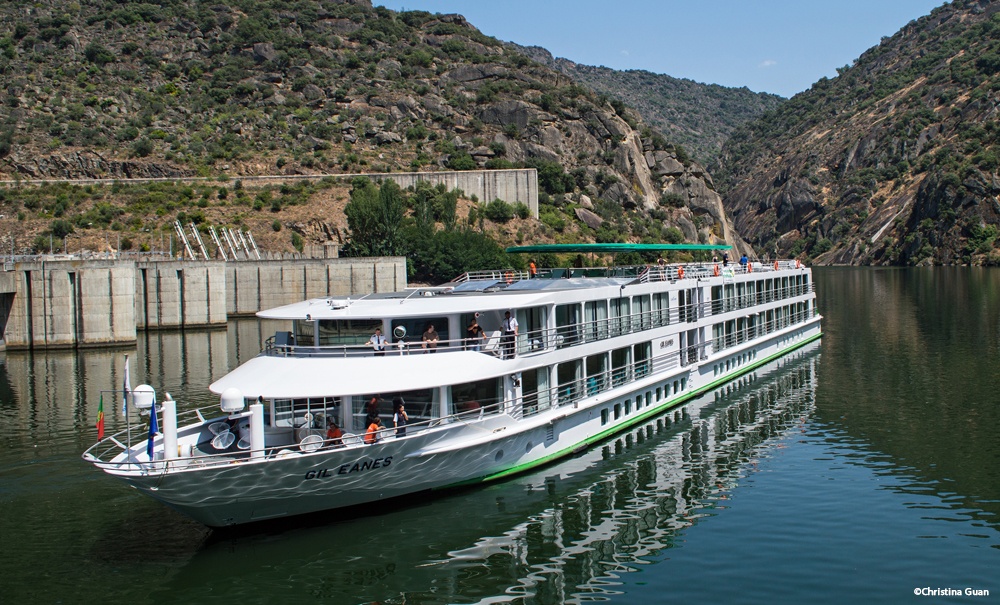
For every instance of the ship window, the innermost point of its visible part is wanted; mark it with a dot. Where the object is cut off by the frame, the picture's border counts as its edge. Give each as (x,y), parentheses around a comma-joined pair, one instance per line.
(661,309)
(649,398)
(419,407)
(620,320)
(535,390)
(472,396)
(415,327)
(597,373)
(643,311)
(620,366)
(641,353)
(345,331)
(628,406)
(604,416)
(618,411)
(595,316)
(569,376)
(304,336)
(292,412)
(567,325)
(659,394)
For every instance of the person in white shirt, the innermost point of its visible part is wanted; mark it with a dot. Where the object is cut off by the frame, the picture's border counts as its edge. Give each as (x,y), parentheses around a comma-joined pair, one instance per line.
(377,341)
(509,336)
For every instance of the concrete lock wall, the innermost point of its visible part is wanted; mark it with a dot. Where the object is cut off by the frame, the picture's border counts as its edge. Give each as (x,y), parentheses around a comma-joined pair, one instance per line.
(515,185)
(253,286)
(62,304)
(180,294)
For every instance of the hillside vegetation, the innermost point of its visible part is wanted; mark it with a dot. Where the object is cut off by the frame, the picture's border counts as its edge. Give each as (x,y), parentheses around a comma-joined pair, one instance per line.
(893,162)
(698,117)
(119,89)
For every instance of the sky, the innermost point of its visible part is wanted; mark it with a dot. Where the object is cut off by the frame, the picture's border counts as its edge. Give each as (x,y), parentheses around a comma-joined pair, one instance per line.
(776,46)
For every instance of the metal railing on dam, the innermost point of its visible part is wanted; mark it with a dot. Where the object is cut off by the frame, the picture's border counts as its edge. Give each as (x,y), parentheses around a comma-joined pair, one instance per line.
(71,303)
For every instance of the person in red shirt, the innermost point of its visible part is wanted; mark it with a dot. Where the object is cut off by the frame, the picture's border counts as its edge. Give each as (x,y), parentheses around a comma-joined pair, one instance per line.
(334,434)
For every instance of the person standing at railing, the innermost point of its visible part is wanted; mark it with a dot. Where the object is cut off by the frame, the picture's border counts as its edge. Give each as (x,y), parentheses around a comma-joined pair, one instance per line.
(474,336)
(399,417)
(371,435)
(377,341)
(430,339)
(509,336)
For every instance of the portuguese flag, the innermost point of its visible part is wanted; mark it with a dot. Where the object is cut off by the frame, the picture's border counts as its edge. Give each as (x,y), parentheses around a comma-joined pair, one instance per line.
(100,418)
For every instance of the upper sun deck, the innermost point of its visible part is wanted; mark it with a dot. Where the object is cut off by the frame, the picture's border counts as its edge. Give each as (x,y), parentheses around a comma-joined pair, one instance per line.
(507,288)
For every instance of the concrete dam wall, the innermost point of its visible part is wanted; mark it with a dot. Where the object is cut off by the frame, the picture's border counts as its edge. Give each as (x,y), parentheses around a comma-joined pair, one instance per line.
(77,303)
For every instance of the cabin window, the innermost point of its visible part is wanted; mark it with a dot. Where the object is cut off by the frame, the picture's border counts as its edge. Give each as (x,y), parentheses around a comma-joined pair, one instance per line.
(661,309)
(641,353)
(717,300)
(415,328)
(534,328)
(535,390)
(642,307)
(649,398)
(604,416)
(567,325)
(472,396)
(628,406)
(597,373)
(420,407)
(620,320)
(289,413)
(304,336)
(569,377)
(620,359)
(659,394)
(595,316)
(351,332)
(618,411)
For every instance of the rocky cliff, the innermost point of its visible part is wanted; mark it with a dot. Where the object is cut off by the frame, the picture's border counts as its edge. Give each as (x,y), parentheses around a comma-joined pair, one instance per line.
(894,161)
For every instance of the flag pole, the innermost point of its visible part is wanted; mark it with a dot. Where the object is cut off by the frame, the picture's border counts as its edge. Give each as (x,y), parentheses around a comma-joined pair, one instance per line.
(128,423)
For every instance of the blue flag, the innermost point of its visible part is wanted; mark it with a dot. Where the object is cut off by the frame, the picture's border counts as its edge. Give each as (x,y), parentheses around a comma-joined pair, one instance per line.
(153,430)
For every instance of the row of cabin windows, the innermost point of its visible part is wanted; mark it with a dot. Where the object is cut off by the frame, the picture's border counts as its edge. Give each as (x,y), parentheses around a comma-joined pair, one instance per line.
(731,297)
(575,322)
(741,329)
(643,400)
(734,362)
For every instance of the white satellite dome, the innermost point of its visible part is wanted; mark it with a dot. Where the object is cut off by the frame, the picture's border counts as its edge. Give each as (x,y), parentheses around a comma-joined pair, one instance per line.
(231,400)
(143,397)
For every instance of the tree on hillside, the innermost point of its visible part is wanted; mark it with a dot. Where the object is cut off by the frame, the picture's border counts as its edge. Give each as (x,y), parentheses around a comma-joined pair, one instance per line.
(374,218)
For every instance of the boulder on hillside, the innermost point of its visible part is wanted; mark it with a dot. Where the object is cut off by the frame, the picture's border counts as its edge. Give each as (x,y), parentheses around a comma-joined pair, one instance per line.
(589,218)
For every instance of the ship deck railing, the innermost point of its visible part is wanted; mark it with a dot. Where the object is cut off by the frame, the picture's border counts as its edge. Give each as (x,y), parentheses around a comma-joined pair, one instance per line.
(540,340)
(593,382)
(642,273)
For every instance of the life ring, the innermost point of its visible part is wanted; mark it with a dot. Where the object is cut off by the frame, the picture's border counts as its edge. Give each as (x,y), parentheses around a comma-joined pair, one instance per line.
(680,272)
(775,265)
(715,271)
(749,267)
(509,277)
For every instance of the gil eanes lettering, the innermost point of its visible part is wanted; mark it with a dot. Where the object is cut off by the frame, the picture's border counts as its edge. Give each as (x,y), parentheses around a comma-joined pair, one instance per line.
(346,469)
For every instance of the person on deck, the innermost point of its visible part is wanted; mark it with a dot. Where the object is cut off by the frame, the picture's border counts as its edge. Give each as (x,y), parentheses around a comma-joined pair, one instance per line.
(532,269)
(399,417)
(430,339)
(371,435)
(377,341)
(334,434)
(509,336)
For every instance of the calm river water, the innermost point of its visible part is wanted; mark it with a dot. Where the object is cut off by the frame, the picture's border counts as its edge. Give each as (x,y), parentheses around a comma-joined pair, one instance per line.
(860,469)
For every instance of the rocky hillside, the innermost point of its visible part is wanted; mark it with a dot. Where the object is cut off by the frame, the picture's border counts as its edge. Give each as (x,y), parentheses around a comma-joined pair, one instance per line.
(699,118)
(893,162)
(118,89)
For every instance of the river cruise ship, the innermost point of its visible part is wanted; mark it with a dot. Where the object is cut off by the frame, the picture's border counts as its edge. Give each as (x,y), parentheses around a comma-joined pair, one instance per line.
(497,372)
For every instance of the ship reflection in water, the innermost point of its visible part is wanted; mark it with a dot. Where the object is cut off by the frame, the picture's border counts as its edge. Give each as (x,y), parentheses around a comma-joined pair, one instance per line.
(566,533)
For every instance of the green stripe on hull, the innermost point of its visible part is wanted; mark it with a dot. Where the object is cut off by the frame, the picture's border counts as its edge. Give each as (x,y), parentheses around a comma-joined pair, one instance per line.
(664,407)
